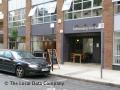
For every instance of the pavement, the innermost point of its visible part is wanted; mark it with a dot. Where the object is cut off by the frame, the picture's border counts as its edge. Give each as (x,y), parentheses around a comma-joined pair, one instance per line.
(88,72)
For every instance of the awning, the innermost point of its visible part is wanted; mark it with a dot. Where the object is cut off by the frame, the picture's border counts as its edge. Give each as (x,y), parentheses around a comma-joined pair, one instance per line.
(32,11)
(66,5)
(115,0)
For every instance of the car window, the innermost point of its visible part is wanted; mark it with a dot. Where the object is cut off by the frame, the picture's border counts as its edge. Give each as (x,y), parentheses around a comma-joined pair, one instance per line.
(1,53)
(22,54)
(8,54)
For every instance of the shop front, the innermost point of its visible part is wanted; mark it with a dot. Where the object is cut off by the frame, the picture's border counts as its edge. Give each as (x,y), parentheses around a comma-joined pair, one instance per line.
(42,40)
(82,41)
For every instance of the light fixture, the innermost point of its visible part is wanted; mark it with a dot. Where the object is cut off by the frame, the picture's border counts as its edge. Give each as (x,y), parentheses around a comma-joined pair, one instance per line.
(77,40)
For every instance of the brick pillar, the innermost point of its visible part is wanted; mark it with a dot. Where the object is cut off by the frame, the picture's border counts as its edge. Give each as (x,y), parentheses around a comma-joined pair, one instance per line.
(108,19)
(28,26)
(59,26)
(5,23)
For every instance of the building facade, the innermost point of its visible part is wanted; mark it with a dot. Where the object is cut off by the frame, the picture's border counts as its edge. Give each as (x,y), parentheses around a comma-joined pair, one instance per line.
(90,27)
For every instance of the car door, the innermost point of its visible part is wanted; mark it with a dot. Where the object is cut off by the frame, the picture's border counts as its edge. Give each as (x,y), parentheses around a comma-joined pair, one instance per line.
(8,62)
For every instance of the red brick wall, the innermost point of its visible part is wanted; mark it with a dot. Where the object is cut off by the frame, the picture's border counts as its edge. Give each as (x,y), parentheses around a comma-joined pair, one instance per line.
(108,19)
(28,26)
(5,23)
(59,26)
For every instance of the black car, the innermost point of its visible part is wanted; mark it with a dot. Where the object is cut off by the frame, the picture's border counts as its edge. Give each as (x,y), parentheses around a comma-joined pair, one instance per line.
(23,63)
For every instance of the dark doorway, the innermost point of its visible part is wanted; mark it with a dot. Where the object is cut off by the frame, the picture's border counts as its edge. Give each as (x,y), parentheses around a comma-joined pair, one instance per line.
(86,44)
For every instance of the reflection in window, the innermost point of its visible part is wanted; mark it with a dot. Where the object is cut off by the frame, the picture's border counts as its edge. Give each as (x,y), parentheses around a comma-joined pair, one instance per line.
(77,14)
(83,8)
(77,1)
(68,15)
(87,13)
(86,5)
(16,18)
(44,14)
(78,6)
(40,20)
(53,18)
(97,12)
(97,3)
(47,19)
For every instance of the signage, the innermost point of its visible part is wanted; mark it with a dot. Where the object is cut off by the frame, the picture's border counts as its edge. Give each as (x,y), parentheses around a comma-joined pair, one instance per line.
(85,27)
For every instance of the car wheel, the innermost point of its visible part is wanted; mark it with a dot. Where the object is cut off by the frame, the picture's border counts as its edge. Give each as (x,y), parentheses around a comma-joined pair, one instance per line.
(20,71)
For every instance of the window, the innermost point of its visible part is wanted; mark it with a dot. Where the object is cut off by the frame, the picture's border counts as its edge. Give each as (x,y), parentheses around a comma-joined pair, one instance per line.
(87,5)
(1,53)
(88,45)
(44,13)
(116,56)
(8,54)
(97,3)
(81,8)
(117,7)
(16,18)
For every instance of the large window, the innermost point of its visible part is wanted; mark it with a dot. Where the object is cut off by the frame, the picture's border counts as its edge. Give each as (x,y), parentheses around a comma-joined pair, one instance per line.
(16,18)
(44,13)
(41,43)
(83,8)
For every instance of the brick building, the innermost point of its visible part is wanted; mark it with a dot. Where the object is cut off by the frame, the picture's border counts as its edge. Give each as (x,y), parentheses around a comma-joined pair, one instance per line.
(90,27)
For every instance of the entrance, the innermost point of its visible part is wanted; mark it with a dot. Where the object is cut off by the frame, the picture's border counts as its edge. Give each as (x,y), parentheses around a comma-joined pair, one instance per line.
(84,48)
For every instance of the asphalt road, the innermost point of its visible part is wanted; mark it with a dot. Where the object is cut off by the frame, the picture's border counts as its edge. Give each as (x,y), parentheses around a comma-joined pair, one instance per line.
(11,82)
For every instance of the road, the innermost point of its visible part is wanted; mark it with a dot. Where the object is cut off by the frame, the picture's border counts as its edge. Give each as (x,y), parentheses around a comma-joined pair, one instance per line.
(11,82)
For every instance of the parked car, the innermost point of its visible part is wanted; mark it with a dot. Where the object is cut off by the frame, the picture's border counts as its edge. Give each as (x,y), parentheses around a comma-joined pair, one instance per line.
(22,63)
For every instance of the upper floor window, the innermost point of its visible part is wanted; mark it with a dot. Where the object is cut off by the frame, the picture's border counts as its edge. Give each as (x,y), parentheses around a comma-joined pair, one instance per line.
(43,13)
(16,4)
(82,8)
(16,18)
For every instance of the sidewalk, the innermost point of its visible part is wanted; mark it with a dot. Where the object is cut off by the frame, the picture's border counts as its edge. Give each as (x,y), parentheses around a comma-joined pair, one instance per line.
(88,72)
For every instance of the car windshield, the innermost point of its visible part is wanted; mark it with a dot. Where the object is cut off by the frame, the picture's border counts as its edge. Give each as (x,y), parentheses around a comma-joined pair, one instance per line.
(22,54)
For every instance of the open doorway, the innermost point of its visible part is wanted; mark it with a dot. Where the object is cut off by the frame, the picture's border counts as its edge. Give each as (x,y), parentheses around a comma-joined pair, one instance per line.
(84,48)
